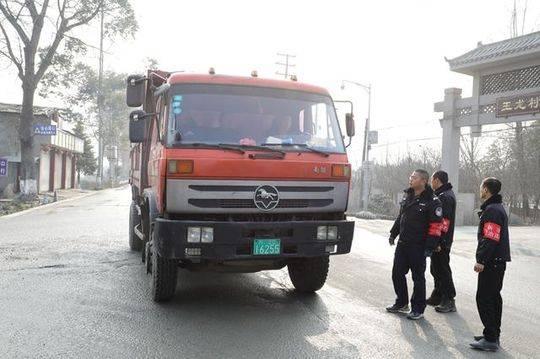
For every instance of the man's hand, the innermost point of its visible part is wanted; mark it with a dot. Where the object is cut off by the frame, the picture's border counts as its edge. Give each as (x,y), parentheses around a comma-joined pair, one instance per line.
(478,267)
(392,240)
(428,253)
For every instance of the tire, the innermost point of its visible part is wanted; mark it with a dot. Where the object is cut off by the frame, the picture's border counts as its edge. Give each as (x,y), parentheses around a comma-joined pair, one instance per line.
(308,275)
(164,276)
(135,243)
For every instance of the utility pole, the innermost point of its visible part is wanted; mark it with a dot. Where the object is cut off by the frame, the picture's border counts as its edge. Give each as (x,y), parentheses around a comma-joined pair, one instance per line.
(365,172)
(286,64)
(99,178)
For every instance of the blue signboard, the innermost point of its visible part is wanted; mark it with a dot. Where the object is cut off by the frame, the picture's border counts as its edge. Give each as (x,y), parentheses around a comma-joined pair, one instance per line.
(45,130)
(3,167)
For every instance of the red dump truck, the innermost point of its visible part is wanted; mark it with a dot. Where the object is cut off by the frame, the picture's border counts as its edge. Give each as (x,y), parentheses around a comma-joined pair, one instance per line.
(236,174)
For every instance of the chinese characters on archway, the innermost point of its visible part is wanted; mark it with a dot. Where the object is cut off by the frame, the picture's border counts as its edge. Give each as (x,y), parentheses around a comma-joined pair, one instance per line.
(519,105)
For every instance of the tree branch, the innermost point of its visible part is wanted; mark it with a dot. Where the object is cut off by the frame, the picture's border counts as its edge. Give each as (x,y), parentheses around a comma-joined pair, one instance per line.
(46,61)
(84,20)
(31,8)
(11,54)
(13,21)
(64,27)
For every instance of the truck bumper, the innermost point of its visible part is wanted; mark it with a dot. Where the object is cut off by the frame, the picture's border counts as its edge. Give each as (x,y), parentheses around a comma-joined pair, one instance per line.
(234,240)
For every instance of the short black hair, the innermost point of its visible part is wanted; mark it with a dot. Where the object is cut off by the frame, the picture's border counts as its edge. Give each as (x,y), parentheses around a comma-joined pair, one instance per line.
(441,176)
(423,173)
(492,184)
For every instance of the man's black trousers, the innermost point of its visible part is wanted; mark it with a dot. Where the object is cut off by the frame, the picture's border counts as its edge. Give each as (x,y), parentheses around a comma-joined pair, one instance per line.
(489,300)
(410,258)
(442,274)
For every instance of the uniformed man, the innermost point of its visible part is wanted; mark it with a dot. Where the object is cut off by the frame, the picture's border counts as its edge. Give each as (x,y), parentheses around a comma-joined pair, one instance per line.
(444,291)
(419,228)
(492,253)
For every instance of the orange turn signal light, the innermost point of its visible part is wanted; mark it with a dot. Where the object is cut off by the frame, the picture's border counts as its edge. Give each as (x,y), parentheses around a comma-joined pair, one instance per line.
(180,167)
(341,171)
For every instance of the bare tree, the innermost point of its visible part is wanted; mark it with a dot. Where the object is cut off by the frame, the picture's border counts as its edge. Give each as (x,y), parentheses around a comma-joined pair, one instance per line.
(25,26)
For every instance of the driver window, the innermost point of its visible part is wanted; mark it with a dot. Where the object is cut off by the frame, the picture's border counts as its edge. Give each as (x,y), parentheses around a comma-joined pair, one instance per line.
(323,135)
(163,115)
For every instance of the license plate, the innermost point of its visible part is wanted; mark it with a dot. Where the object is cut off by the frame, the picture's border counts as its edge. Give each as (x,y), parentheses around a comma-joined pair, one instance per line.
(266,247)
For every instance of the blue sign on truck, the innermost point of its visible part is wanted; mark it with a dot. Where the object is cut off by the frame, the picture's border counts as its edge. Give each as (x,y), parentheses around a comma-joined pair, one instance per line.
(3,167)
(45,130)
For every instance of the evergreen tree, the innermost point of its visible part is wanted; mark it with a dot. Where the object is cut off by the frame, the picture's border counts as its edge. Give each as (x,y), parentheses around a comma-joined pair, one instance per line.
(86,162)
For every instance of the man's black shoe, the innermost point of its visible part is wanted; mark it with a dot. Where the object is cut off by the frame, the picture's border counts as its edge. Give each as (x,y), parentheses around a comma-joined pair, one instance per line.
(398,309)
(480,337)
(484,345)
(415,315)
(433,301)
(447,306)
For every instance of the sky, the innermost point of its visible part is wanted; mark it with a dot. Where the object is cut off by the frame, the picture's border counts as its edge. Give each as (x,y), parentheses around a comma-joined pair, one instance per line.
(397,46)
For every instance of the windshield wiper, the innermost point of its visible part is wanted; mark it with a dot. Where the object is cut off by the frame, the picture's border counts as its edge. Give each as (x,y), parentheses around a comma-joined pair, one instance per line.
(252,147)
(302,145)
(210,146)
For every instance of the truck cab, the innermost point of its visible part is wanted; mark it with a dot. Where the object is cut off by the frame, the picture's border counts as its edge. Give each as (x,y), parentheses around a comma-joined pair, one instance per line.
(236,174)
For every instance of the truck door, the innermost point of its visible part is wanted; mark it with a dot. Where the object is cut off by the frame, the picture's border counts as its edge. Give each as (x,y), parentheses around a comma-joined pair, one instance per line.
(156,161)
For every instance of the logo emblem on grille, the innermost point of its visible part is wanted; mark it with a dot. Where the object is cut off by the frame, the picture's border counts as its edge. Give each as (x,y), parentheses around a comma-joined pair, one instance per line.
(266,197)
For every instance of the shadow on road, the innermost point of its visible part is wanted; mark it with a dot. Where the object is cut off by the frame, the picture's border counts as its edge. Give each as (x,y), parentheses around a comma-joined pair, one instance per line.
(252,314)
(423,339)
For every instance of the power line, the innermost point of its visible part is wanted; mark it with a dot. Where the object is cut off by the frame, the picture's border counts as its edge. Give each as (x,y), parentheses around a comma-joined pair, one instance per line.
(403,125)
(440,137)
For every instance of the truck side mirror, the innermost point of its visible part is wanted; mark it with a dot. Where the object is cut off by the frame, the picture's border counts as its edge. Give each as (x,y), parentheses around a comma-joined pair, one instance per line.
(137,126)
(349,123)
(135,90)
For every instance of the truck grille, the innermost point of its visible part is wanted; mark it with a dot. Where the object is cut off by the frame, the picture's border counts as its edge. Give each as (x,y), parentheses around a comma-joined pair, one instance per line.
(248,203)
(238,196)
(228,188)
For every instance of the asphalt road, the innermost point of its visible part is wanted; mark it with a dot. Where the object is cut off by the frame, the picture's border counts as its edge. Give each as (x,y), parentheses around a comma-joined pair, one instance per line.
(70,287)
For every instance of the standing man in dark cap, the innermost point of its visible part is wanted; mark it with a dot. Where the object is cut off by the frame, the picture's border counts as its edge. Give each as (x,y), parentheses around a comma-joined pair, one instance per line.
(419,229)
(492,253)
(444,292)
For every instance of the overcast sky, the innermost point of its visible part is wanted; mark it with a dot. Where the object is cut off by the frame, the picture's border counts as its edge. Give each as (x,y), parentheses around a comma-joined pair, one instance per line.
(398,46)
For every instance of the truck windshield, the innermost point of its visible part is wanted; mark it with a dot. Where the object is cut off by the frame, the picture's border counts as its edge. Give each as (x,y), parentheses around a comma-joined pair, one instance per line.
(252,116)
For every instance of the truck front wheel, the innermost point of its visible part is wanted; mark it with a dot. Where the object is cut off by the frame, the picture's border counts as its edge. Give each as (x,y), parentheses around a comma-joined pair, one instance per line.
(308,275)
(164,275)
(135,243)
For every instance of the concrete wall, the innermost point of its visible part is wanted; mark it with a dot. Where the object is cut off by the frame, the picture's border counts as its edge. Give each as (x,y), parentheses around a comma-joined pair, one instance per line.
(10,146)
(69,166)
(8,184)
(44,166)
(58,170)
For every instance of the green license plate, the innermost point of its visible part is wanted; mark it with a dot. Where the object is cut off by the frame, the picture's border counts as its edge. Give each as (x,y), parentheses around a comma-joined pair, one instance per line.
(266,247)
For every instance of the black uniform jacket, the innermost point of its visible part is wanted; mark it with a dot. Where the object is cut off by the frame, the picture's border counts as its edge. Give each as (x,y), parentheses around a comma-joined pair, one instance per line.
(448,199)
(493,238)
(420,219)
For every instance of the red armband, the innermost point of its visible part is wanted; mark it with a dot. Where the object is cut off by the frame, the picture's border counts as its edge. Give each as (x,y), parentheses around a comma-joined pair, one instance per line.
(435,229)
(445,225)
(492,231)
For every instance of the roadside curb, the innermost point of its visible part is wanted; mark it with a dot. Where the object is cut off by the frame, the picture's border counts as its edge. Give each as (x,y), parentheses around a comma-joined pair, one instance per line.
(48,205)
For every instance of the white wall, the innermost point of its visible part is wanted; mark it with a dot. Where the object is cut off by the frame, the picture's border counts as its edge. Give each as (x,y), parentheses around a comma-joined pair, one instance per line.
(44,167)
(58,171)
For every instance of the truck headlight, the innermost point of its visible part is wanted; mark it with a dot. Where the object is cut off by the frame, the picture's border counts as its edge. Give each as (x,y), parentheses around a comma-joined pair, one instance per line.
(322,233)
(194,234)
(207,234)
(332,233)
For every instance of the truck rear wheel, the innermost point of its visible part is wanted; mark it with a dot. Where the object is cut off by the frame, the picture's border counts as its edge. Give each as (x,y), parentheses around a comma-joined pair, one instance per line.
(164,275)
(135,243)
(308,275)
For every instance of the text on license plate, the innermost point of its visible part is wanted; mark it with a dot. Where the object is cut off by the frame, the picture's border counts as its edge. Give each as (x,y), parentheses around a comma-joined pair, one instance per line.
(262,247)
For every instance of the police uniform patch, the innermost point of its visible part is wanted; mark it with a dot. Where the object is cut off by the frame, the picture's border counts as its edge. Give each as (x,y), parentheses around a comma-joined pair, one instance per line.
(438,212)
